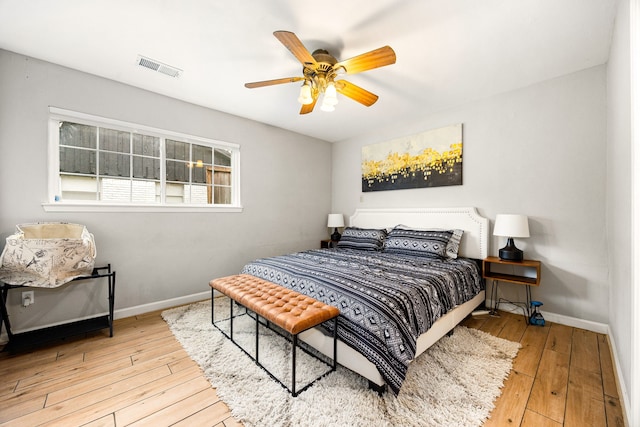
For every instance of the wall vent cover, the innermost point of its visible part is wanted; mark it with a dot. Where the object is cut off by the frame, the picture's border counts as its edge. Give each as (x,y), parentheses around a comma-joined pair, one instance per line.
(158,66)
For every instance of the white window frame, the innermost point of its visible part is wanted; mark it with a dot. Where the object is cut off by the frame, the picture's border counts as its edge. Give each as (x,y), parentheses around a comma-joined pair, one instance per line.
(56,115)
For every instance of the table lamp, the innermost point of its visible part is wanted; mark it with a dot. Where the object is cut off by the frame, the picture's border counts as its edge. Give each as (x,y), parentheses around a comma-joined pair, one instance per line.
(335,221)
(511,226)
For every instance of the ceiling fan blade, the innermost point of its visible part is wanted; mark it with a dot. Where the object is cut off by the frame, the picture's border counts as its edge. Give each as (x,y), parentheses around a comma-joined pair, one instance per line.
(356,93)
(293,43)
(367,61)
(306,109)
(273,82)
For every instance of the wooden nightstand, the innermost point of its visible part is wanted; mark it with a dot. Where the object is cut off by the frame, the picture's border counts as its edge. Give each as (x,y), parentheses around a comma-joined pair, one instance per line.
(525,272)
(328,243)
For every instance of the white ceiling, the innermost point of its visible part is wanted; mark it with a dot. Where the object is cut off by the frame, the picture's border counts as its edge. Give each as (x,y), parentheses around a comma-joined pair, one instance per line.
(448,51)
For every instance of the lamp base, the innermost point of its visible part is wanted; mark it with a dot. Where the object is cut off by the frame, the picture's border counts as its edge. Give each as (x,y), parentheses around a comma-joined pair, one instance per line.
(510,252)
(335,237)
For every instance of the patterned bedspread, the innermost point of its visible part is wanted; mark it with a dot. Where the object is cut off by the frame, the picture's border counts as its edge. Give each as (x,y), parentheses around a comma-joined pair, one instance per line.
(386,300)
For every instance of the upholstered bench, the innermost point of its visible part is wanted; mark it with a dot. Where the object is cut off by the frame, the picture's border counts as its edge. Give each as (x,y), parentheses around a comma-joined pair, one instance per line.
(291,311)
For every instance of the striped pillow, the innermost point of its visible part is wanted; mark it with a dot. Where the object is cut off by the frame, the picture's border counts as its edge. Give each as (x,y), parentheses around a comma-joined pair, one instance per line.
(364,239)
(440,243)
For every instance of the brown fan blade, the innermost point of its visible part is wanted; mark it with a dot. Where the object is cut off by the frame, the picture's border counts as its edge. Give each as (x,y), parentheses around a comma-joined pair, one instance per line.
(356,93)
(306,109)
(293,43)
(367,61)
(273,82)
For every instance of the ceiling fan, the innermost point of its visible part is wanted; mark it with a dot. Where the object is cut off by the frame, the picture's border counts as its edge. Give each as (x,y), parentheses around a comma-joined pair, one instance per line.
(320,70)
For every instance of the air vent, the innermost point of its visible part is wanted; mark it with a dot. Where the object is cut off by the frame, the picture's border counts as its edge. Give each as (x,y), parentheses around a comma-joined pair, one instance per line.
(154,65)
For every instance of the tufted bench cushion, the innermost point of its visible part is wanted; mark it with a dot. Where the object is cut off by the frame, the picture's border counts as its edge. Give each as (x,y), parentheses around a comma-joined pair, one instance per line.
(290,310)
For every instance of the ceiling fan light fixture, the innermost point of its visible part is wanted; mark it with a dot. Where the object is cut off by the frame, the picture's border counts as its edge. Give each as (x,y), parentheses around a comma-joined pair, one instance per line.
(330,94)
(327,107)
(305,97)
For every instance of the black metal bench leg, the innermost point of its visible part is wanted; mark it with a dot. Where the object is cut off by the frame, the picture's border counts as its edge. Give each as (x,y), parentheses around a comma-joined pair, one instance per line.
(294,343)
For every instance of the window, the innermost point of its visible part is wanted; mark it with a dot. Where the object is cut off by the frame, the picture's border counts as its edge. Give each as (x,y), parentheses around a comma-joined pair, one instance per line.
(102,162)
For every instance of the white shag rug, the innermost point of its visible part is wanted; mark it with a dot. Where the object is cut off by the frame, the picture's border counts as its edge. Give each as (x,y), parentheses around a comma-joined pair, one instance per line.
(454,383)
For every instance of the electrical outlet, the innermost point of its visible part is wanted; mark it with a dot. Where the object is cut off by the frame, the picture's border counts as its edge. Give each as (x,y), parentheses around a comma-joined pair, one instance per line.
(27,298)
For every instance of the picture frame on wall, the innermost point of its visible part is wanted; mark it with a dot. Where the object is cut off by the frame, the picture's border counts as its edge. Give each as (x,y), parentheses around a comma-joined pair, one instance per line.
(429,159)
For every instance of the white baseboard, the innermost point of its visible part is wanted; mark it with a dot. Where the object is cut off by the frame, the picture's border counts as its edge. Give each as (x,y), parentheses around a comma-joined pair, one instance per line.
(601,328)
(159,305)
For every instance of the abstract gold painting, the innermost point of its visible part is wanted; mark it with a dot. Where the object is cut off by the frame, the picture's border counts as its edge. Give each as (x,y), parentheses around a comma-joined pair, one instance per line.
(428,159)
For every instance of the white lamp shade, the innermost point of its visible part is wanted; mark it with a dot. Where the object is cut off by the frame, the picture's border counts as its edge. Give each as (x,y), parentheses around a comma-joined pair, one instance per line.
(335,220)
(511,226)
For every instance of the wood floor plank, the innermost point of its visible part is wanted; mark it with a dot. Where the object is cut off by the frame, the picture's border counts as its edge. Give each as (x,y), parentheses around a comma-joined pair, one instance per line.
(87,408)
(7,387)
(177,412)
(559,338)
(495,324)
(533,342)
(533,419)
(615,417)
(106,421)
(10,363)
(209,416)
(549,392)
(157,402)
(511,404)
(609,384)
(41,369)
(587,381)
(584,352)
(124,375)
(514,329)
(583,409)
(18,407)
(184,363)
(137,343)
(68,373)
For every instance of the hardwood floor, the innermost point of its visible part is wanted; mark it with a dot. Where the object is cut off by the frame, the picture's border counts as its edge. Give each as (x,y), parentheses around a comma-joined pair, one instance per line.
(562,376)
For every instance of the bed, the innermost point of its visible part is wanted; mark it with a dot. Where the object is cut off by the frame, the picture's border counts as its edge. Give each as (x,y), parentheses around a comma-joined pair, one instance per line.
(395,301)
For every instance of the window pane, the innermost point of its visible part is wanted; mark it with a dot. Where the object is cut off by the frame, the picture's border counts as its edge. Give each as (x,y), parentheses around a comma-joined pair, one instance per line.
(146,167)
(74,187)
(77,135)
(75,160)
(115,140)
(201,174)
(202,154)
(145,191)
(146,145)
(221,195)
(198,195)
(174,193)
(177,150)
(177,171)
(222,157)
(115,190)
(113,164)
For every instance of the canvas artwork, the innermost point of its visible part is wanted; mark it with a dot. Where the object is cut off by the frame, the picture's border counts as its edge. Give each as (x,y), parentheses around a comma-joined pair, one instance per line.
(428,159)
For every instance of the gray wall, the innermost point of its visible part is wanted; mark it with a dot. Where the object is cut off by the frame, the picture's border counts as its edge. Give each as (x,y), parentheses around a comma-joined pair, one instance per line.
(619,199)
(539,151)
(157,256)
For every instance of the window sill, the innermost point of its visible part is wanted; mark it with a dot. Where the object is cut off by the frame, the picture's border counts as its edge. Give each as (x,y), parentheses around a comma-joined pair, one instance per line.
(93,207)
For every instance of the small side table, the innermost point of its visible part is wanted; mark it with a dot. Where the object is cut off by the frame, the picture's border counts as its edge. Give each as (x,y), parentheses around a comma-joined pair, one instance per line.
(528,274)
(328,243)
(37,337)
